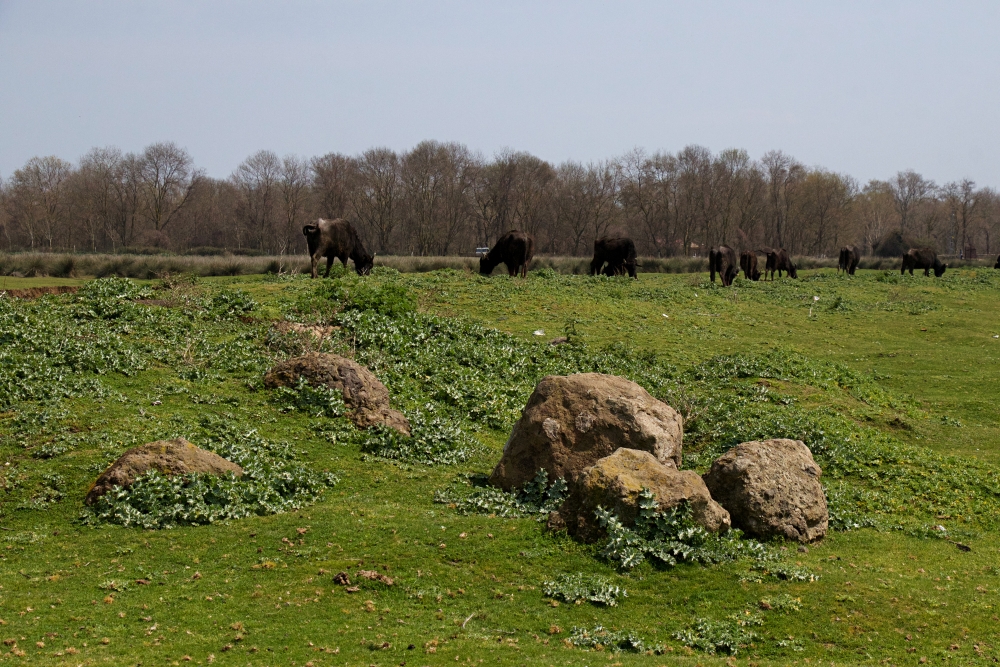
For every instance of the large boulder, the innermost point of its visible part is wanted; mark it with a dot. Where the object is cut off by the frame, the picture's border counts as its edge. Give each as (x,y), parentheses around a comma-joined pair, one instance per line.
(364,395)
(169,457)
(615,483)
(771,489)
(572,421)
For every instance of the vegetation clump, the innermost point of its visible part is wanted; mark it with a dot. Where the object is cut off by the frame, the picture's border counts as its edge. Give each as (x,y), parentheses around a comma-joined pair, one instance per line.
(616,641)
(537,497)
(669,537)
(272,482)
(578,587)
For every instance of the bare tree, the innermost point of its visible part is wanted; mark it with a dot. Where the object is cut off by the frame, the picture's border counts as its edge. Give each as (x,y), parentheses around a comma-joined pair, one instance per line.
(456,206)
(37,199)
(644,196)
(826,198)
(375,198)
(257,181)
(423,173)
(876,208)
(333,178)
(532,190)
(782,173)
(293,184)
(962,200)
(909,189)
(493,195)
(167,176)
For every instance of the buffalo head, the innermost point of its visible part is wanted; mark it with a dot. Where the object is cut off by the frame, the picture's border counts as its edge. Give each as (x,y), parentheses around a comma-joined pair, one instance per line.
(363,265)
(939,270)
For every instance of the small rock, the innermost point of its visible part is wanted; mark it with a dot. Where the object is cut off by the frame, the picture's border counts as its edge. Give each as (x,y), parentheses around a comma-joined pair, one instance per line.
(615,483)
(364,395)
(169,457)
(561,340)
(341,579)
(803,549)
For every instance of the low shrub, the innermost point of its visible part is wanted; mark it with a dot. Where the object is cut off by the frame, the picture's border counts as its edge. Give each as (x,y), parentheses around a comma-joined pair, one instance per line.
(601,639)
(579,587)
(669,537)
(272,483)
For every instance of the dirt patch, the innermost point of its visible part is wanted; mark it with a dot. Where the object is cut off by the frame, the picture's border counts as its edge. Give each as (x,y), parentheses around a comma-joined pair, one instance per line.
(36,292)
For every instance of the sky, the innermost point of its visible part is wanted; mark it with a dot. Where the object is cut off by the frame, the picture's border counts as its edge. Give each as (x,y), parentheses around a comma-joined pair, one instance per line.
(863,88)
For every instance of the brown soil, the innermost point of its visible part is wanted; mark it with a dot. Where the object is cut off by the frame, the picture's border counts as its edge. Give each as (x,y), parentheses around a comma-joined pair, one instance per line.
(36,292)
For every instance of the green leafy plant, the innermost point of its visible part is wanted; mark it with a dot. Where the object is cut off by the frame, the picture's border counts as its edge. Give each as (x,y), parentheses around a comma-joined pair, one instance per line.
(434,440)
(578,587)
(272,482)
(537,497)
(726,636)
(669,537)
(601,638)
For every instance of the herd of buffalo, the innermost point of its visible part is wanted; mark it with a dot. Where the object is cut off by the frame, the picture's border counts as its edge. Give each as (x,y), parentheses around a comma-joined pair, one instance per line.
(613,256)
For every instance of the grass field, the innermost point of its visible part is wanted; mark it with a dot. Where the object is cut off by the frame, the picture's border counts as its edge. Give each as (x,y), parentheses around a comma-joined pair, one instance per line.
(891,381)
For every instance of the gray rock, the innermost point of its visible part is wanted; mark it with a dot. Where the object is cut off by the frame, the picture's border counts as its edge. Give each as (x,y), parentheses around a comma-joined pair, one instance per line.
(364,395)
(572,421)
(771,488)
(615,483)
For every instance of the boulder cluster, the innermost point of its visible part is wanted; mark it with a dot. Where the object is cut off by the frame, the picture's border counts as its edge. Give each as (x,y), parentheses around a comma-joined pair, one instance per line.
(609,439)
(606,436)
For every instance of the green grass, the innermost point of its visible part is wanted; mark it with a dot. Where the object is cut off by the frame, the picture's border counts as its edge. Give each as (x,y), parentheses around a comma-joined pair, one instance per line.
(901,420)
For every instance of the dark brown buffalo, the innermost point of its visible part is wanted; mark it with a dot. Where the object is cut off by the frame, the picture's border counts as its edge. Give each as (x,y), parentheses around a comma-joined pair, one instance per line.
(617,252)
(336,239)
(748,262)
(848,259)
(922,258)
(997,265)
(515,249)
(722,260)
(778,260)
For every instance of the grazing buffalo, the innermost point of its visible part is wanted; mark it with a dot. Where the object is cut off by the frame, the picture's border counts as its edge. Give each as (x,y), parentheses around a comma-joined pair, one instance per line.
(515,249)
(848,259)
(618,253)
(748,262)
(336,239)
(778,260)
(723,261)
(922,258)
(997,265)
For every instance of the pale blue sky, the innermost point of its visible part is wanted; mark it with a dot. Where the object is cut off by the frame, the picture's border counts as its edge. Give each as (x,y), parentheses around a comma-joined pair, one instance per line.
(864,88)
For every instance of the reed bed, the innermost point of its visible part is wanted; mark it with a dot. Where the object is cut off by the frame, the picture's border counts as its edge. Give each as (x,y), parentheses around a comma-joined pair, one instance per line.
(144,266)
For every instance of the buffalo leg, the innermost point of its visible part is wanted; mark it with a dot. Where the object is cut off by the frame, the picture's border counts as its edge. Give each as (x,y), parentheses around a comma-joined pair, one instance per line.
(595,266)
(329,265)
(315,261)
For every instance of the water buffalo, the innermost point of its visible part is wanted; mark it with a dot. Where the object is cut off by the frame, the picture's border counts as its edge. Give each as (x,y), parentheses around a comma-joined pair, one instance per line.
(618,252)
(778,260)
(848,259)
(515,249)
(748,262)
(922,258)
(723,261)
(336,239)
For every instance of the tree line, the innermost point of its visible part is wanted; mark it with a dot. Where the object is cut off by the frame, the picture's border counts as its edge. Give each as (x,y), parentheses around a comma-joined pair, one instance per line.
(443,198)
